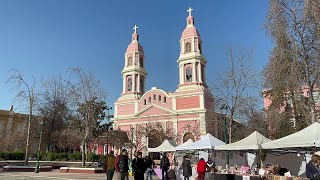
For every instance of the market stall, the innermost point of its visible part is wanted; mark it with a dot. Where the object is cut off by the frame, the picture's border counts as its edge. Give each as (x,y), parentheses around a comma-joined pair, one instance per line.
(166,146)
(294,149)
(307,138)
(206,142)
(251,142)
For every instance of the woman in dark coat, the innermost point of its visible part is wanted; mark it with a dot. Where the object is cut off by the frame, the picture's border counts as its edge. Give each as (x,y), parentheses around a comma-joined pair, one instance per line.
(186,168)
(312,169)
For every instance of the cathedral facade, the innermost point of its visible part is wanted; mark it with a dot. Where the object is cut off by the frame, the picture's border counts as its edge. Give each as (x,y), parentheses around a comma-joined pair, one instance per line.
(183,114)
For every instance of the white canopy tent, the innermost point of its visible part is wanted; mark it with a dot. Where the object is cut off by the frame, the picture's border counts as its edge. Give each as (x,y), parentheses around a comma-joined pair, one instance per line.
(307,137)
(251,142)
(206,142)
(166,146)
(190,141)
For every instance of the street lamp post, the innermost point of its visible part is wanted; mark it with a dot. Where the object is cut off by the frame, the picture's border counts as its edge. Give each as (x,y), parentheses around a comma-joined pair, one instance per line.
(266,121)
(225,107)
(108,116)
(132,129)
(36,170)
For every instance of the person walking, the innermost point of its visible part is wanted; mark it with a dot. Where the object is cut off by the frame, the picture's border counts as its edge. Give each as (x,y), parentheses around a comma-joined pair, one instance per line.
(186,168)
(201,169)
(149,164)
(122,165)
(109,165)
(164,165)
(312,168)
(139,167)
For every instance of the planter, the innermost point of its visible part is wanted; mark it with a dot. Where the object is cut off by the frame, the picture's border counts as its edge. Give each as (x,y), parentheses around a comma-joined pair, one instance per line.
(81,170)
(26,168)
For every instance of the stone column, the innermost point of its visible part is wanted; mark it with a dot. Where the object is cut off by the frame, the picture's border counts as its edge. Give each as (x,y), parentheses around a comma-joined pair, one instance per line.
(124,84)
(199,72)
(194,72)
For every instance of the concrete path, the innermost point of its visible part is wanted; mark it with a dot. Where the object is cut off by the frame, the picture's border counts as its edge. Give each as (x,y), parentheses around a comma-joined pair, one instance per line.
(55,175)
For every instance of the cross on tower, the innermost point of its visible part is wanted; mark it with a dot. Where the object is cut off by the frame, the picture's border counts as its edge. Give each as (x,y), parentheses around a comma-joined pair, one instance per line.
(189,10)
(135,28)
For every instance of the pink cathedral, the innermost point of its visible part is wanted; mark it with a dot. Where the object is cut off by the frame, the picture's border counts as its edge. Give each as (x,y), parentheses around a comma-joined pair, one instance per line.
(187,112)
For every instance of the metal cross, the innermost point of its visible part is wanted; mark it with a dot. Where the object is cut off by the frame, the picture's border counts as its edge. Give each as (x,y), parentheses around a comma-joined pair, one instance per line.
(135,28)
(189,10)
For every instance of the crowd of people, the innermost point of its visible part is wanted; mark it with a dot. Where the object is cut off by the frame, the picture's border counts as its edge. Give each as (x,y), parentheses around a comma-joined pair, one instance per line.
(121,164)
(141,166)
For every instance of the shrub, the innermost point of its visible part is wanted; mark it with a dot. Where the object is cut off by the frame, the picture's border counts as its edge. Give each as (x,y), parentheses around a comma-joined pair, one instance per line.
(7,156)
(17,156)
(51,156)
(77,155)
(93,157)
(1,155)
(62,156)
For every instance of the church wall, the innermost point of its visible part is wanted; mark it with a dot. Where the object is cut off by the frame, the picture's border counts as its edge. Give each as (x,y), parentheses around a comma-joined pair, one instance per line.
(167,104)
(191,126)
(126,109)
(143,120)
(187,102)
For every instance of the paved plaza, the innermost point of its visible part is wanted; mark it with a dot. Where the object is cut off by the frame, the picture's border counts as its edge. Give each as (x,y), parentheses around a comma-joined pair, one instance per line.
(54,175)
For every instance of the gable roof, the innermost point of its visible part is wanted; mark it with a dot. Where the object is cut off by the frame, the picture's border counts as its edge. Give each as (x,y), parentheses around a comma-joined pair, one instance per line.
(307,137)
(251,142)
(166,146)
(206,142)
(155,106)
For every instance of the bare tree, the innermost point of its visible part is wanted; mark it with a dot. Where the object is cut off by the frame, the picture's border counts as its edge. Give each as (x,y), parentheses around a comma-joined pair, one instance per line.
(54,108)
(26,92)
(294,27)
(89,102)
(234,88)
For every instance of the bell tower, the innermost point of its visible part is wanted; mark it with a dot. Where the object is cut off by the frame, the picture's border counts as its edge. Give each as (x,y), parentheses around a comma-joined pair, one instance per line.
(192,63)
(133,73)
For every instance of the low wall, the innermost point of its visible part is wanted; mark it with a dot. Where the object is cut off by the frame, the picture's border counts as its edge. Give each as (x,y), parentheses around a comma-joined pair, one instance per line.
(54,164)
(26,168)
(81,170)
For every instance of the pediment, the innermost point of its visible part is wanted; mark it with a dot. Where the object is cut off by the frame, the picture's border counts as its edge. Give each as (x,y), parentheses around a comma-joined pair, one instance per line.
(153,110)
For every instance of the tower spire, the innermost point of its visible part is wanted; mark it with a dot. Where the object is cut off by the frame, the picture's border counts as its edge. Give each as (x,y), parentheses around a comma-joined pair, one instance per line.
(134,73)
(191,62)
(135,36)
(190,20)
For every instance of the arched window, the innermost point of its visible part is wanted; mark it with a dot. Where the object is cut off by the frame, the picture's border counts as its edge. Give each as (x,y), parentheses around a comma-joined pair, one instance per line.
(188,47)
(141,84)
(188,136)
(141,62)
(145,102)
(188,74)
(149,99)
(129,85)
(164,99)
(200,48)
(130,61)
(154,97)
(159,98)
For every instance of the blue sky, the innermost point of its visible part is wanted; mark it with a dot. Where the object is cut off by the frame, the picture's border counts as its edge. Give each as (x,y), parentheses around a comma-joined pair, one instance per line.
(42,38)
